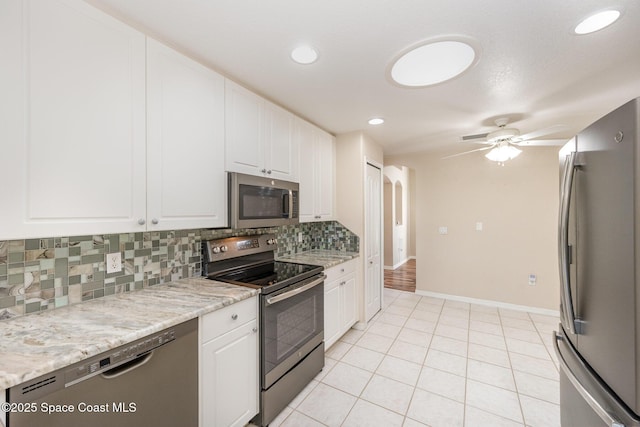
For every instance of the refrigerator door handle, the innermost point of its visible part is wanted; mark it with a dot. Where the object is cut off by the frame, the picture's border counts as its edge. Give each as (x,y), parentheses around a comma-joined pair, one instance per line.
(564,250)
(609,419)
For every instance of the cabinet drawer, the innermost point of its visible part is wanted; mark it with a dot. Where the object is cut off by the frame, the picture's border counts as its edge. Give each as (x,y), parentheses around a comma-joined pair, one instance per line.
(340,270)
(226,319)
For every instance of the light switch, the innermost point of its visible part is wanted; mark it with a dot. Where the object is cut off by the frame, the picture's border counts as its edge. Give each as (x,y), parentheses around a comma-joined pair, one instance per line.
(443,230)
(478,226)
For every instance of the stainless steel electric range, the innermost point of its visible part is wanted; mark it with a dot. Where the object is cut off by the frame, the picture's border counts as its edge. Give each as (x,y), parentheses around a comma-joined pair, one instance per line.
(291,316)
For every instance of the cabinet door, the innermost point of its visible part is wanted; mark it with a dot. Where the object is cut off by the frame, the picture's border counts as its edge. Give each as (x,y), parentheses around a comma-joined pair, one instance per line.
(325,175)
(348,302)
(73,85)
(186,180)
(229,378)
(304,133)
(243,129)
(332,313)
(281,148)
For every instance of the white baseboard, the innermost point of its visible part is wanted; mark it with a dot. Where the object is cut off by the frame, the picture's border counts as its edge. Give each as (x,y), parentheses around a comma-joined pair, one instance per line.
(490,303)
(387,267)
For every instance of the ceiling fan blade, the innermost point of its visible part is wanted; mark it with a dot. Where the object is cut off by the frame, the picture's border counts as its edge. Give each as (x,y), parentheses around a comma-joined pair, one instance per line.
(541,132)
(540,142)
(481,136)
(468,152)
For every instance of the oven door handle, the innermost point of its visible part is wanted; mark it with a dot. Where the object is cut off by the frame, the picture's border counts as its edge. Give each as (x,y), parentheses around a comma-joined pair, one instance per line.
(292,293)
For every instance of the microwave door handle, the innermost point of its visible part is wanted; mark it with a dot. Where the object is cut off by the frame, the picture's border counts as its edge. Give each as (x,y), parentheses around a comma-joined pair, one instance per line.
(290,203)
(287,203)
(564,249)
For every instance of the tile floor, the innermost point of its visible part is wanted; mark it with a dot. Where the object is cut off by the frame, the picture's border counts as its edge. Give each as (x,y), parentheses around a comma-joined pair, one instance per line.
(425,361)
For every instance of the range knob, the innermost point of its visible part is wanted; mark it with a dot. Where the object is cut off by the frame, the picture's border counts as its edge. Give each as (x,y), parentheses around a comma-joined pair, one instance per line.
(272,241)
(215,250)
(224,248)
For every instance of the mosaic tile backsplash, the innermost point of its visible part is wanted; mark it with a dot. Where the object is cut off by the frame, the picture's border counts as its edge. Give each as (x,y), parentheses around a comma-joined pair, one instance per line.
(47,273)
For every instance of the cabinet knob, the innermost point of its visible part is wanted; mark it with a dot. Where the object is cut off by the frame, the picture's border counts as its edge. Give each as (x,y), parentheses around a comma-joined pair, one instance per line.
(269,171)
(263,170)
(141,221)
(342,283)
(255,329)
(154,221)
(234,316)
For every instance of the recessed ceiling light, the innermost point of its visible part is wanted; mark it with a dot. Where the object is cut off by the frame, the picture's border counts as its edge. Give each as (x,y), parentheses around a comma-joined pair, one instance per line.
(432,63)
(304,54)
(376,121)
(597,21)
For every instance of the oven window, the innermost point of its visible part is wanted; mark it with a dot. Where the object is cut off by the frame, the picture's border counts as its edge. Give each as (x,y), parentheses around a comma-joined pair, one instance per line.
(261,202)
(294,326)
(290,324)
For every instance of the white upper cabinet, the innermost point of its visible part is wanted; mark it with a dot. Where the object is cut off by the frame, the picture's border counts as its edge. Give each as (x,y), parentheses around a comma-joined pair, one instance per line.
(259,136)
(73,107)
(317,173)
(186,181)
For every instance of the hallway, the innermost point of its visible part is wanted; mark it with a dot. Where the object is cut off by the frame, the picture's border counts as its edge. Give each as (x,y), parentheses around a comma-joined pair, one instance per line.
(402,278)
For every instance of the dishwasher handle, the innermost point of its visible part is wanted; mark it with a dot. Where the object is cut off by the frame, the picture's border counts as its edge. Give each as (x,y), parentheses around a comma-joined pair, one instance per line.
(127,367)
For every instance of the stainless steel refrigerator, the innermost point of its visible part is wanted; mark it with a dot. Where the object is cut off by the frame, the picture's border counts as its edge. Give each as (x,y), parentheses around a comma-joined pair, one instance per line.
(598,342)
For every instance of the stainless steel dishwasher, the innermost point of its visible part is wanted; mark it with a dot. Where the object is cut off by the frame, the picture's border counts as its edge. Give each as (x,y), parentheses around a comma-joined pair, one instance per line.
(152,381)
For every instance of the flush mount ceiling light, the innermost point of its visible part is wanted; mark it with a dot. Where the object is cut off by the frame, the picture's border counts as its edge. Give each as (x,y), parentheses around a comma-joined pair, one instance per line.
(432,63)
(597,22)
(376,121)
(304,54)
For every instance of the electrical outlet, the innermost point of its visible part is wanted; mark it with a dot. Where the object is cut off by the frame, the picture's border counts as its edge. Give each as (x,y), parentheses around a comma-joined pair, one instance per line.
(532,279)
(114,262)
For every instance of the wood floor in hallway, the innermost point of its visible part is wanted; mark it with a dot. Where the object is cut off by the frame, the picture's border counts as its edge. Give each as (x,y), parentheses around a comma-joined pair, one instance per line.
(402,278)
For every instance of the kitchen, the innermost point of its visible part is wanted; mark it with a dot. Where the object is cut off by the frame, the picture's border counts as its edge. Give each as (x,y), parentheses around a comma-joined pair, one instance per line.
(147,200)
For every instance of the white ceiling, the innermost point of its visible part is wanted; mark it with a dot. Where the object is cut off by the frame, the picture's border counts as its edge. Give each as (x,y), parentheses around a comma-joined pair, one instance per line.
(531,66)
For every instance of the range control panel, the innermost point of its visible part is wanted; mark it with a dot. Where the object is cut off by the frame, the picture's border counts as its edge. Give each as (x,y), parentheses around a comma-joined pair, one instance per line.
(120,356)
(232,247)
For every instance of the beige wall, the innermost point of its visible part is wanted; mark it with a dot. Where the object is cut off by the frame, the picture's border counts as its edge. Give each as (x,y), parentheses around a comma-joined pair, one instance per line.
(517,204)
(353,150)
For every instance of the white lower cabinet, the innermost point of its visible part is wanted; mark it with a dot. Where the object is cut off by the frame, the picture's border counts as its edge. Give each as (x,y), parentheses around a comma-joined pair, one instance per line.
(339,301)
(229,382)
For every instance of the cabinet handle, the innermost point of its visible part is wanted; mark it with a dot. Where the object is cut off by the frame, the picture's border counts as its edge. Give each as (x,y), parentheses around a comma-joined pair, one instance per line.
(342,283)
(317,217)
(234,316)
(154,221)
(141,221)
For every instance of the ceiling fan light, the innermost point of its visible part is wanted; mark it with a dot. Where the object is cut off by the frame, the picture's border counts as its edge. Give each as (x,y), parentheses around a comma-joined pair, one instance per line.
(502,153)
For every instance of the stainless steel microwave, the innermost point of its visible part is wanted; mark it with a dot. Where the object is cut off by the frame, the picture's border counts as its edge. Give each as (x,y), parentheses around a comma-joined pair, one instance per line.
(256,201)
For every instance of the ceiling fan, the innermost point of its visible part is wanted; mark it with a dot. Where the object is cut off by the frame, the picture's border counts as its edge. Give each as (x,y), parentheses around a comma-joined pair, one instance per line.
(504,142)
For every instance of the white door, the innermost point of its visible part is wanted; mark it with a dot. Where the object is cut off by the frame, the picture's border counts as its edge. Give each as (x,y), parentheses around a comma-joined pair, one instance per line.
(373,242)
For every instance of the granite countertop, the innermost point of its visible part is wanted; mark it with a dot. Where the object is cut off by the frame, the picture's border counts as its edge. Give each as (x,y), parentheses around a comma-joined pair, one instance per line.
(36,344)
(325,258)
